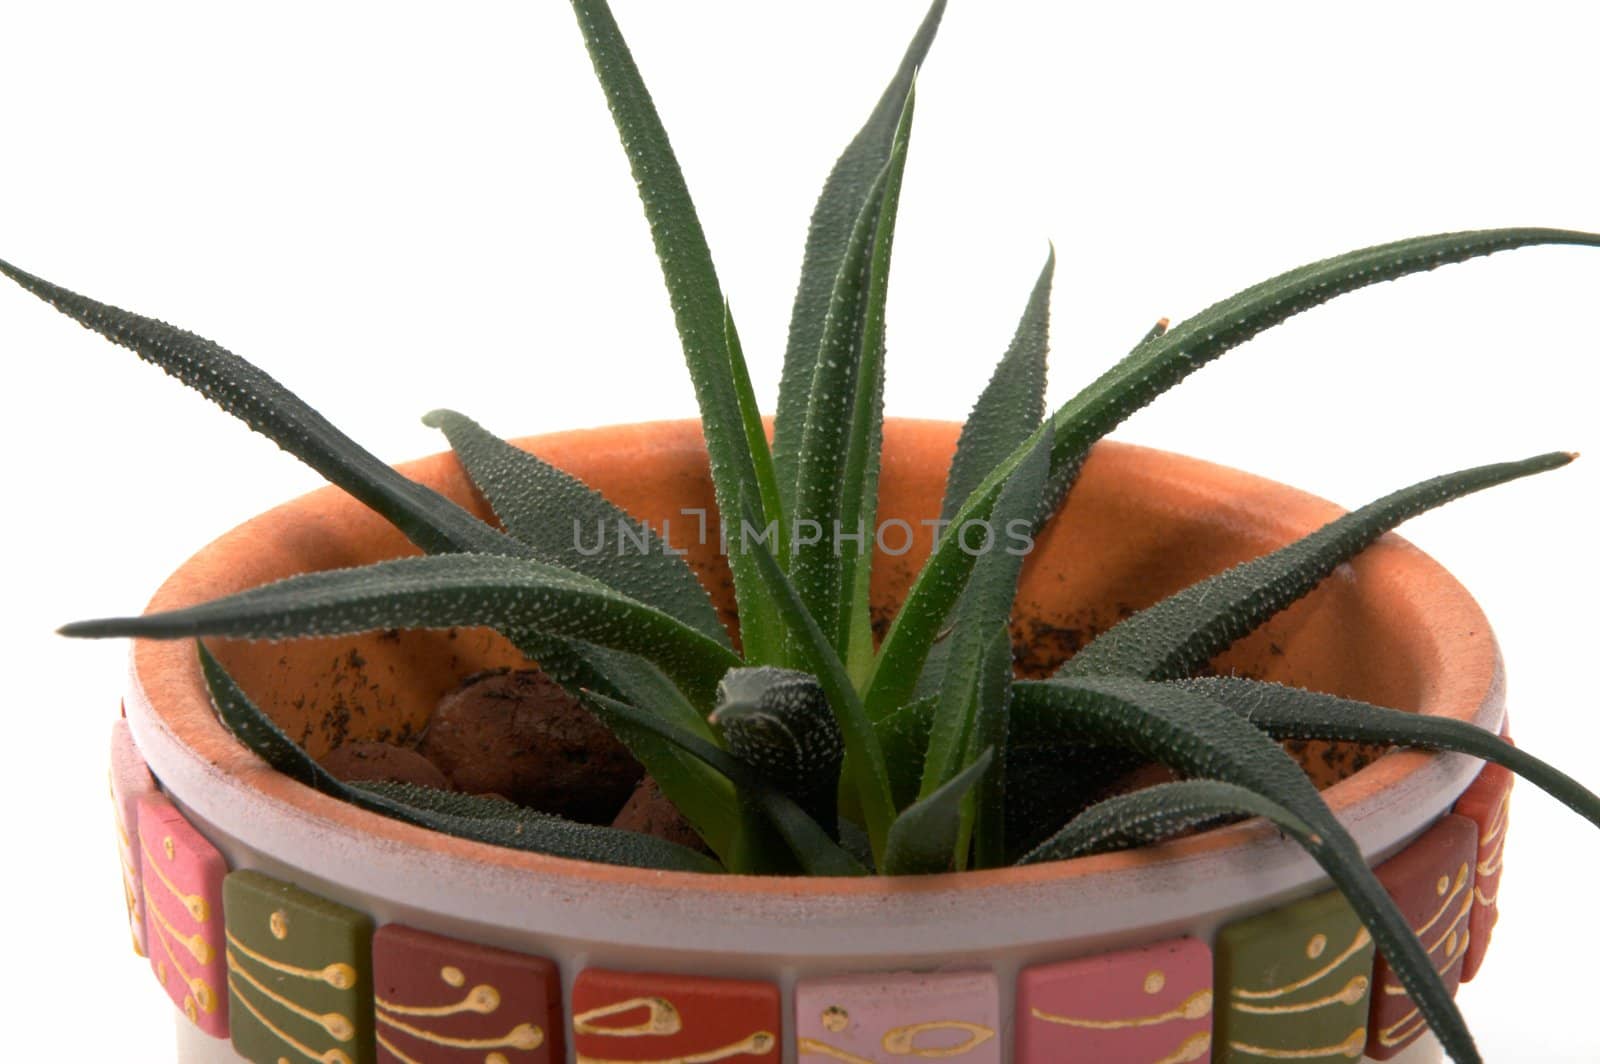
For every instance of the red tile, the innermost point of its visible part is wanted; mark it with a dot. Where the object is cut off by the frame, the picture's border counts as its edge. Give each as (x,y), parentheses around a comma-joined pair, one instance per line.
(182,886)
(444,1001)
(1127,1007)
(1431,882)
(130,781)
(1487,802)
(640,1017)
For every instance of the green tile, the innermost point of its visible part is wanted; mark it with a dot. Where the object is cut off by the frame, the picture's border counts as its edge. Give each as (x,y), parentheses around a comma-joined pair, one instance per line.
(1293,983)
(299,974)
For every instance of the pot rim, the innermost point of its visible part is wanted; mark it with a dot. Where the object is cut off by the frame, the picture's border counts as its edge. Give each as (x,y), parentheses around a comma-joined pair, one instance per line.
(169,709)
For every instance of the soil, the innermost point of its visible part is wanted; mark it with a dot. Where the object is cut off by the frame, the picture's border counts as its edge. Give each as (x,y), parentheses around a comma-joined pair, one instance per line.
(650,812)
(520,735)
(370,761)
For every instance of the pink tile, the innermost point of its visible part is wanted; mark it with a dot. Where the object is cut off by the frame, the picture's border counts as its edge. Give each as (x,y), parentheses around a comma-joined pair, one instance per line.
(182,886)
(888,1018)
(1129,1007)
(130,781)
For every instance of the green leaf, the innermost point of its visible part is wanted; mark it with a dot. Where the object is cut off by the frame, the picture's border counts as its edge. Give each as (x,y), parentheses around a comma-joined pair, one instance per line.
(1292,713)
(1047,784)
(865,757)
(904,737)
(858,492)
(991,730)
(510,595)
(844,196)
(454,814)
(924,838)
(703,797)
(1158,812)
(778,721)
(427,518)
(825,449)
(1011,406)
(1151,368)
(818,854)
(985,611)
(1184,631)
(755,432)
(567,523)
(1198,737)
(698,305)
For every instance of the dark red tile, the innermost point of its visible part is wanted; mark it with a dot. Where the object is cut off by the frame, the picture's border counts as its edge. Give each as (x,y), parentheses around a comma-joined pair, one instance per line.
(444,1001)
(1487,802)
(1431,882)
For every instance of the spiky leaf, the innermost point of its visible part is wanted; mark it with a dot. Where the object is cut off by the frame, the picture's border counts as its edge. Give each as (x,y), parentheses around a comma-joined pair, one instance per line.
(1011,406)
(844,194)
(984,617)
(1184,631)
(755,431)
(1292,713)
(427,518)
(1158,812)
(858,491)
(924,837)
(698,305)
(567,523)
(703,796)
(825,449)
(904,737)
(818,854)
(453,814)
(870,777)
(442,591)
(1149,370)
(1201,738)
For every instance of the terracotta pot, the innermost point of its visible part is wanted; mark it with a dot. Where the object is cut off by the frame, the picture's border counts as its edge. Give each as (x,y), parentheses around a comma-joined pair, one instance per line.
(1392,627)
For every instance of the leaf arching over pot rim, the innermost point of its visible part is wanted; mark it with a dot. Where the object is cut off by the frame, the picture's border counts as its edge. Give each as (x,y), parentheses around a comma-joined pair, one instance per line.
(496,823)
(1201,738)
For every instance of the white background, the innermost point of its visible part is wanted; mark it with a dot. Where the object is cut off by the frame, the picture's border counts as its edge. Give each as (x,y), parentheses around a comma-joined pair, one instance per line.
(401,206)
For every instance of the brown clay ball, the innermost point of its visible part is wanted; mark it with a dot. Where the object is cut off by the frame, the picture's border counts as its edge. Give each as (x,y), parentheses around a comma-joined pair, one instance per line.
(650,812)
(354,761)
(520,735)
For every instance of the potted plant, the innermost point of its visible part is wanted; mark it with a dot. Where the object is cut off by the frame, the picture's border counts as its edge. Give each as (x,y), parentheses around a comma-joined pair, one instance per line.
(913,781)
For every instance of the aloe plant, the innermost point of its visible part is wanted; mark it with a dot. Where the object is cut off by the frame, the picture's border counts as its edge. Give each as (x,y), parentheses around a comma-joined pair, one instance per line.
(813,747)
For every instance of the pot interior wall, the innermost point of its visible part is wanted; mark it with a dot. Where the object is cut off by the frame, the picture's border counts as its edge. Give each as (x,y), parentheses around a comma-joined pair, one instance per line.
(1137,527)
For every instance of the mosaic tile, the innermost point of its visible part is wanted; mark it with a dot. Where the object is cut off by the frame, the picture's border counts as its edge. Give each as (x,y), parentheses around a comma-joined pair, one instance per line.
(1431,883)
(130,781)
(1488,803)
(181,883)
(1293,983)
(444,1001)
(886,1018)
(1129,1007)
(643,1017)
(299,974)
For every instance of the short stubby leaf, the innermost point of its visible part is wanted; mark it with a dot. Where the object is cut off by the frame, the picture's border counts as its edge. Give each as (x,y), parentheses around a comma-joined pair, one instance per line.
(778,721)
